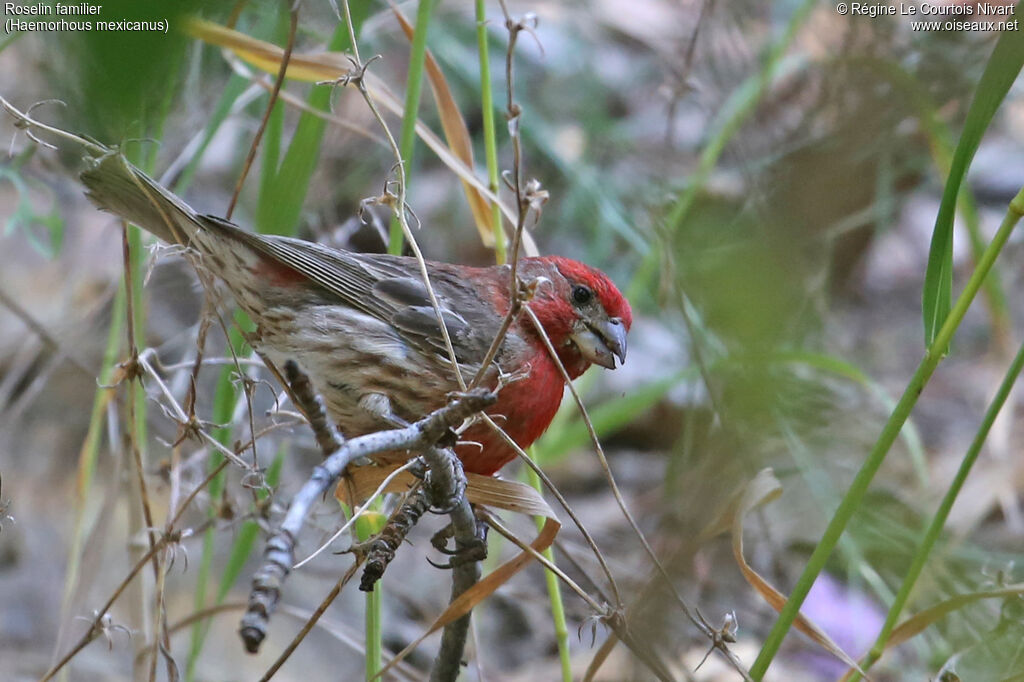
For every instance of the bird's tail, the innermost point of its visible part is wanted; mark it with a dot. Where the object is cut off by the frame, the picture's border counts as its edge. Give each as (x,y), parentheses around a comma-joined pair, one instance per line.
(115,185)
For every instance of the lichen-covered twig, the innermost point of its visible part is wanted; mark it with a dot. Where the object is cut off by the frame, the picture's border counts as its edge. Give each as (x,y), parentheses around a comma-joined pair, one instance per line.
(380,549)
(279,554)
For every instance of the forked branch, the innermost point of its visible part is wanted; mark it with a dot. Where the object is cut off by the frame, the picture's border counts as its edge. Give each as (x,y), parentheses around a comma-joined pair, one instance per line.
(423,435)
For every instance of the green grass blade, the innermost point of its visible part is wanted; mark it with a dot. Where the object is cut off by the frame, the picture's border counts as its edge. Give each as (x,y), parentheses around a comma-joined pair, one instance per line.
(235,87)
(224,401)
(1000,72)
(89,454)
(858,488)
(413,87)
(271,155)
(910,435)
(289,190)
(368,525)
(942,146)
(490,133)
(938,521)
(283,189)
(554,591)
(273,135)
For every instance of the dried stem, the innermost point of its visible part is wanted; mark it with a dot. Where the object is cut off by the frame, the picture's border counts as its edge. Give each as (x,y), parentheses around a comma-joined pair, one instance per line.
(380,550)
(513,112)
(168,536)
(361,510)
(26,122)
(445,468)
(194,427)
(356,78)
(543,560)
(96,627)
(564,504)
(695,617)
(515,309)
(135,390)
(205,319)
(612,617)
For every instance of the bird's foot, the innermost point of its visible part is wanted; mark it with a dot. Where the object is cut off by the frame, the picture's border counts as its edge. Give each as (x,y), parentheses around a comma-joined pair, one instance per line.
(464,551)
(446,487)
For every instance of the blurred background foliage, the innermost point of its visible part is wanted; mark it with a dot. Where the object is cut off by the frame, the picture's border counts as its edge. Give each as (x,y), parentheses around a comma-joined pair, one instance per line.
(761,178)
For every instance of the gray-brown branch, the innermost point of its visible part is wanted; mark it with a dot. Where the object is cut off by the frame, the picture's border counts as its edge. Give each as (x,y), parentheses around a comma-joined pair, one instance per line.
(447,477)
(279,555)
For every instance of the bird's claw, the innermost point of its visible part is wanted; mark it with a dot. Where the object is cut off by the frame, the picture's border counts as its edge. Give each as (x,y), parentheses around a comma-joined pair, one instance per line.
(447,505)
(441,537)
(465,551)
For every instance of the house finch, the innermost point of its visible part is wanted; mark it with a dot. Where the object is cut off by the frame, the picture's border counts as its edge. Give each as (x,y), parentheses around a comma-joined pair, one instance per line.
(363,328)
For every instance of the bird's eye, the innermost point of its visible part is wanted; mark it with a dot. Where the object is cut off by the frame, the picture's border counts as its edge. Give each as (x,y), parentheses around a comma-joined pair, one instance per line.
(581,295)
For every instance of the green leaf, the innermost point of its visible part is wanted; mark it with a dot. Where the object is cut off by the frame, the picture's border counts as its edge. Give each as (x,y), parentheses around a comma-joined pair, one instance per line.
(1000,72)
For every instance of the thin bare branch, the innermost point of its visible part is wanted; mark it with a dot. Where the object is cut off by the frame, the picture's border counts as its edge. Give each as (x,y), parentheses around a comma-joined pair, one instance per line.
(399,206)
(358,512)
(588,538)
(26,122)
(446,477)
(96,627)
(135,388)
(695,618)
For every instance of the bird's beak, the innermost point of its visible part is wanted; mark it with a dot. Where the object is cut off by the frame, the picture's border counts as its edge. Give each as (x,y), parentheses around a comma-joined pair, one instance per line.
(602,342)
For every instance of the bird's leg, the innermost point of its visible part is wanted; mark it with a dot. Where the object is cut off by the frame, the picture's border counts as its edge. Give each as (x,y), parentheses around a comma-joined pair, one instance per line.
(446,488)
(464,552)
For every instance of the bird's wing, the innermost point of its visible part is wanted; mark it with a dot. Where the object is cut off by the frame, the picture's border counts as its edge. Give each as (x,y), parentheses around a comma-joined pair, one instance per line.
(387,287)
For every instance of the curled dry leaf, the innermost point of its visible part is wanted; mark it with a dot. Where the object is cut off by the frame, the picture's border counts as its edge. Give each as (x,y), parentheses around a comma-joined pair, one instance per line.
(759,491)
